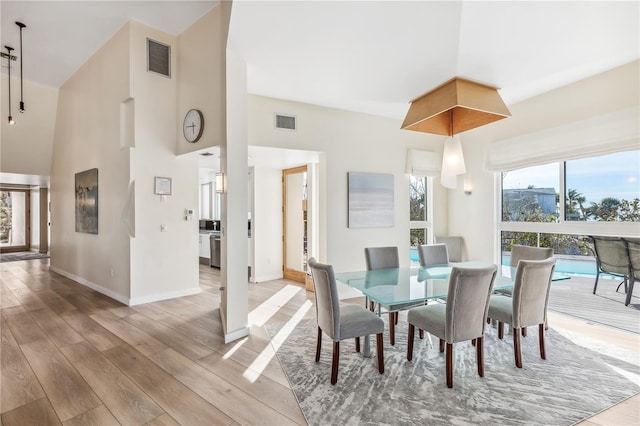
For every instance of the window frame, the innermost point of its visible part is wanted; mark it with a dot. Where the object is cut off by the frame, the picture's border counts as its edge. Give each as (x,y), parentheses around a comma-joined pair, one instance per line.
(427,225)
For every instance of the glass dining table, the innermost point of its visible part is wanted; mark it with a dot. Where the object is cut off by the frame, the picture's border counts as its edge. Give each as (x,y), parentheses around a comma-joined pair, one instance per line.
(401,288)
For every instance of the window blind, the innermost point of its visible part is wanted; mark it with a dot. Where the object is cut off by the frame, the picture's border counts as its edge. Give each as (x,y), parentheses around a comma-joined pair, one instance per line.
(605,134)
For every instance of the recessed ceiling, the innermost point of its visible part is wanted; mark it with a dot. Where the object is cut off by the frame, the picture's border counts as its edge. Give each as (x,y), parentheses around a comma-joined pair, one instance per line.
(368,56)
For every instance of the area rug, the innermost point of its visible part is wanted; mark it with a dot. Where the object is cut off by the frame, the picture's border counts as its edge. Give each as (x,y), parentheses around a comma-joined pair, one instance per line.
(573,383)
(22,255)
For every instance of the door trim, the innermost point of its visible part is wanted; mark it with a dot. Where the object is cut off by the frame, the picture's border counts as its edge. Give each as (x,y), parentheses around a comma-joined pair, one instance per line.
(290,274)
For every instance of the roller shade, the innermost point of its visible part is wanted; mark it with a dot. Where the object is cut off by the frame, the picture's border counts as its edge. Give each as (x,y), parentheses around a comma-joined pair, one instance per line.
(605,134)
(423,163)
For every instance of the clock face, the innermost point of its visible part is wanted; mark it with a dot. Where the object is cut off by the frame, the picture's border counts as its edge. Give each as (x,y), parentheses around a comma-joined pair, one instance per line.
(193,125)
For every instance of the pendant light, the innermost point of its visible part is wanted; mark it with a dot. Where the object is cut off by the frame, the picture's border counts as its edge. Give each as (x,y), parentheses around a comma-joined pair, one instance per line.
(9,49)
(21,25)
(452,159)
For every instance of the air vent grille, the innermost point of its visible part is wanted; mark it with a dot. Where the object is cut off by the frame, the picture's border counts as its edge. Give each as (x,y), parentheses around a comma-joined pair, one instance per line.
(286,122)
(159,58)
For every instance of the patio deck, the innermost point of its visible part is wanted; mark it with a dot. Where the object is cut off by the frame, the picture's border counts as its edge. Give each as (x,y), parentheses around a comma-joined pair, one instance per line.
(575,297)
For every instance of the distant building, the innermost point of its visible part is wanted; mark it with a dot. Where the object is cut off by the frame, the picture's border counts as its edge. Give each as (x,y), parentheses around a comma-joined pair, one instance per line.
(519,201)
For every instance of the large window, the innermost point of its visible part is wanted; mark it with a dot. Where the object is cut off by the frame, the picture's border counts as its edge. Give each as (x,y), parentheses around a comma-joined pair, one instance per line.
(605,188)
(418,211)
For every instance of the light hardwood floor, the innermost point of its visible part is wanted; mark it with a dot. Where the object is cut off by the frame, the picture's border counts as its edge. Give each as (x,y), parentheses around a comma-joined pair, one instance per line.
(73,356)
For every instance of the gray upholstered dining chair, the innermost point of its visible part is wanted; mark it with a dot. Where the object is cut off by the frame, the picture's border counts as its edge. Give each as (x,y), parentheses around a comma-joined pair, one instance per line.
(383,258)
(454,246)
(462,318)
(341,321)
(527,305)
(433,254)
(519,253)
(611,258)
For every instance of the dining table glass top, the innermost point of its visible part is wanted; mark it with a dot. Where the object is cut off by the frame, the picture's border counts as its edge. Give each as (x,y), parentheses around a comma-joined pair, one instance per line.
(406,285)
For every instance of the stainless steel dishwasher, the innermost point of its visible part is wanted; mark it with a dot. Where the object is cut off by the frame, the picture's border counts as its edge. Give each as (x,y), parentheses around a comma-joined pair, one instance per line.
(214,241)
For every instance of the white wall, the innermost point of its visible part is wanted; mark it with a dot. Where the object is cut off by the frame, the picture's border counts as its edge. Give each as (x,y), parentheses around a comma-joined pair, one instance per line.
(267,223)
(26,146)
(350,142)
(158,269)
(87,136)
(474,216)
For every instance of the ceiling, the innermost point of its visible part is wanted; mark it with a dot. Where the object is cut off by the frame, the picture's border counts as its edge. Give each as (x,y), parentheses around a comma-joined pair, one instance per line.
(366,56)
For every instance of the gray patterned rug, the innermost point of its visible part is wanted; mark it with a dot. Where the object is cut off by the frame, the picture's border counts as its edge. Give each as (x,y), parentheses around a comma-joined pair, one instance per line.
(572,384)
(22,255)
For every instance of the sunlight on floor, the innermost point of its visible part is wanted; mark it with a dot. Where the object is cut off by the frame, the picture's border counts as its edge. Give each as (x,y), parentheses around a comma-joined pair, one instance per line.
(257,367)
(633,378)
(261,314)
(235,347)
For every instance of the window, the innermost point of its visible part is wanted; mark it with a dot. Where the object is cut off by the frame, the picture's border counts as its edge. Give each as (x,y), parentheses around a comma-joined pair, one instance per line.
(605,188)
(530,194)
(418,210)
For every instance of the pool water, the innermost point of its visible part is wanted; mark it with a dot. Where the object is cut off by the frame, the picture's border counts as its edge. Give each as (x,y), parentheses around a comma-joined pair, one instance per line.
(565,265)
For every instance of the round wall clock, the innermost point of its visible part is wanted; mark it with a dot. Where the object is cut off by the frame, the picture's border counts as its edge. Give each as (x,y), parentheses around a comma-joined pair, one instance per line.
(193,125)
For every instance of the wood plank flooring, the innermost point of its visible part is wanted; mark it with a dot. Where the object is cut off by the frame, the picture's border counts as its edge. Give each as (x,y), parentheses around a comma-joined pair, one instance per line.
(72,356)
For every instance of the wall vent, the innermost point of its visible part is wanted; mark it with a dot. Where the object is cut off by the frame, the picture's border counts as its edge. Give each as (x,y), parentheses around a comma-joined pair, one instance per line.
(286,122)
(158,58)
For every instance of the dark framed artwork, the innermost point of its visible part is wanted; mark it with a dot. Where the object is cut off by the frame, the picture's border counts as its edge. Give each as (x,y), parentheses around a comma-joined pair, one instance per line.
(87,201)
(370,200)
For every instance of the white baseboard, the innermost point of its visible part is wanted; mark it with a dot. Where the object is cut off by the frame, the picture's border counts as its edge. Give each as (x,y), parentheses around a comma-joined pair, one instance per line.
(163,296)
(270,277)
(112,294)
(123,299)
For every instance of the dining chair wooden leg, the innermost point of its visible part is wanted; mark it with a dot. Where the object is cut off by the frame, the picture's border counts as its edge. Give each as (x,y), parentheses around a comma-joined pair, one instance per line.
(441,345)
(516,347)
(412,330)
(480,356)
(543,355)
(335,362)
(500,330)
(357,344)
(421,333)
(450,365)
(473,342)
(392,329)
(380,344)
(397,316)
(319,344)
(524,331)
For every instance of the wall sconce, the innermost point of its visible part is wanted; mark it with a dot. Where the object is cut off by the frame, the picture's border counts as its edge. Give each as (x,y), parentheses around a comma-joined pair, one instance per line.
(468,187)
(220,189)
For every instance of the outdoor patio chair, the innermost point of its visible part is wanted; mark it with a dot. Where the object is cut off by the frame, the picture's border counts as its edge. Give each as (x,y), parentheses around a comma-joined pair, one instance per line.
(611,258)
(341,321)
(633,249)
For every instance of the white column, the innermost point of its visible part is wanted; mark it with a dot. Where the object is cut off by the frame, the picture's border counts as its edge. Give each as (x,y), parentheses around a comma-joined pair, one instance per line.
(234,212)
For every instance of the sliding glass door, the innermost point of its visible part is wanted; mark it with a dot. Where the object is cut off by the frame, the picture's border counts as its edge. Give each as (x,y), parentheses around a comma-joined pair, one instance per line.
(14,220)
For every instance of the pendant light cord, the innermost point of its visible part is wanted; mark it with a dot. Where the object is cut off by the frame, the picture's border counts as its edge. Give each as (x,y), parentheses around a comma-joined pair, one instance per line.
(21,25)
(9,49)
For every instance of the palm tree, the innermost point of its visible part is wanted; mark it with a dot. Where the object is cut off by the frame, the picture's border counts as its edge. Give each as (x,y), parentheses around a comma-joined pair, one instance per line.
(576,199)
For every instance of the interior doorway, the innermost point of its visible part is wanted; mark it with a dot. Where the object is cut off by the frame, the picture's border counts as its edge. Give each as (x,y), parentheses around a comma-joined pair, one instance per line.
(15,220)
(294,223)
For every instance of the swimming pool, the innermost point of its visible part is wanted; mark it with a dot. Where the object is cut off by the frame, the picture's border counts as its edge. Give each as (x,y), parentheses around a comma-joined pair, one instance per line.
(571,265)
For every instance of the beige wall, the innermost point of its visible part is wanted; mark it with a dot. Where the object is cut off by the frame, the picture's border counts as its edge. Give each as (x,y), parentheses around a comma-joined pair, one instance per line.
(201,83)
(25,147)
(88,136)
(351,142)
(130,258)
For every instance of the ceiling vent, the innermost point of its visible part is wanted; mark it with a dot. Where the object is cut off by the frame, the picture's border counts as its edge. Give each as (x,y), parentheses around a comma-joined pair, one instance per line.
(285,122)
(206,154)
(158,58)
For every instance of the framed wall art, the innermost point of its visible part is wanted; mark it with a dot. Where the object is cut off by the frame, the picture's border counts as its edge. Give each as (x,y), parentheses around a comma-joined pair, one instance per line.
(86,189)
(370,200)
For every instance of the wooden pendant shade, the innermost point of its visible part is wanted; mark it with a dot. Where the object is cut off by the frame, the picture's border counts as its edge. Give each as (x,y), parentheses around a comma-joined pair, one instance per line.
(454,107)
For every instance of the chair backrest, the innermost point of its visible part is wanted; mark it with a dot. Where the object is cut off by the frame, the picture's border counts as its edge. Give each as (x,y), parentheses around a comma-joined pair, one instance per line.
(531,292)
(468,302)
(381,257)
(611,254)
(454,247)
(433,254)
(633,248)
(528,253)
(327,302)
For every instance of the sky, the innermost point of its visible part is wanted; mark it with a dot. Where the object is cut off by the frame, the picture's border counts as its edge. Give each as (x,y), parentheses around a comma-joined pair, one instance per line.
(614,175)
